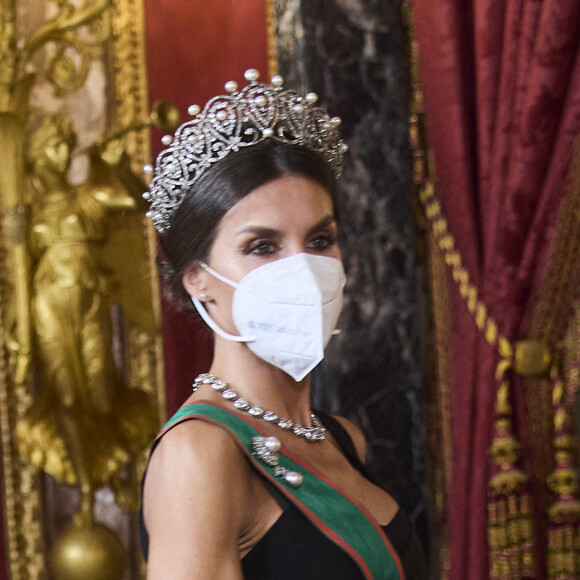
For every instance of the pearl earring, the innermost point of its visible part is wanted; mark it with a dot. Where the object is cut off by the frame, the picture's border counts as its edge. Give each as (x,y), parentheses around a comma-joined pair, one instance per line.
(203,296)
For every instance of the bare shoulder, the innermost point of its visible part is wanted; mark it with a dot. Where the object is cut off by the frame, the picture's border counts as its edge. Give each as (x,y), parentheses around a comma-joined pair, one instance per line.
(356,435)
(196,487)
(196,455)
(196,437)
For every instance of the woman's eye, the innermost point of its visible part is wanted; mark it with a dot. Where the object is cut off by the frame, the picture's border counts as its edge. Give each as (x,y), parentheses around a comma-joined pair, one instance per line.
(323,242)
(261,248)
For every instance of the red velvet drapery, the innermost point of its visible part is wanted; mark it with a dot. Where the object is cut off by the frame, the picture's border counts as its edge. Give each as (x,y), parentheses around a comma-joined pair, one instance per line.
(501,81)
(193,48)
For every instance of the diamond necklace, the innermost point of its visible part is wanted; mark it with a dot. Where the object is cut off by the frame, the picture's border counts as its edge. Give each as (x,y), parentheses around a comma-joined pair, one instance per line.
(315,433)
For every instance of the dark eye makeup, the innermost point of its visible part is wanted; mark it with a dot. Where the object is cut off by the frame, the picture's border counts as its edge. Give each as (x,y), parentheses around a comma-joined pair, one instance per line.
(260,247)
(323,241)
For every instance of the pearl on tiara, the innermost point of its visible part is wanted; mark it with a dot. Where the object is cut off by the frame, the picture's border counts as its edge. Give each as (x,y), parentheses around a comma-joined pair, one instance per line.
(252,74)
(260,101)
(230,122)
(231,86)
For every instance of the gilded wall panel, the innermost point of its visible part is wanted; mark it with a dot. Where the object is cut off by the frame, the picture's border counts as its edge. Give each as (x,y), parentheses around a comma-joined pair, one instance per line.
(73,74)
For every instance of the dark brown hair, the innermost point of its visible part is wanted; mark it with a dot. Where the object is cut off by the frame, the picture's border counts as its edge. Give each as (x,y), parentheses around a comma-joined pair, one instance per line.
(194,223)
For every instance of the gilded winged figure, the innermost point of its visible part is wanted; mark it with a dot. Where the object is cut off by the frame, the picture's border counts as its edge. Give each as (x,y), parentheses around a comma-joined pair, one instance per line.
(85,423)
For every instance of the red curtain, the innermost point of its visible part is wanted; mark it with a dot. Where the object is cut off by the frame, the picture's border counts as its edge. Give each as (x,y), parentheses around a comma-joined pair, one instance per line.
(193,48)
(501,82)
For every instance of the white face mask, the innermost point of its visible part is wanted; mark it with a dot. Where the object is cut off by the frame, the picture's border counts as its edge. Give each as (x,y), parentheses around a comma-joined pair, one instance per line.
(286,310)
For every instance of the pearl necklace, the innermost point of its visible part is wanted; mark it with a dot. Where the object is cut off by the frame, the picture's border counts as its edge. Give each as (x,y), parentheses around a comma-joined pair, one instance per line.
(314,434)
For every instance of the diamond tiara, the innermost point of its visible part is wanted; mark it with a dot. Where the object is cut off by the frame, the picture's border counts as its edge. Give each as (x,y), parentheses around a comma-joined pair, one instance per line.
(230,122)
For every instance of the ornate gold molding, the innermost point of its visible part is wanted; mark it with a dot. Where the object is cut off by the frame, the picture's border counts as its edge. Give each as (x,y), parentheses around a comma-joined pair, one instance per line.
(22,484)
(271,38)
(128,72)
(22,498)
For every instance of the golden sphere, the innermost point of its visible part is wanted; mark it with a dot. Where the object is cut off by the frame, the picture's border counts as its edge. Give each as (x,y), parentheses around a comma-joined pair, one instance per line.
(94,553)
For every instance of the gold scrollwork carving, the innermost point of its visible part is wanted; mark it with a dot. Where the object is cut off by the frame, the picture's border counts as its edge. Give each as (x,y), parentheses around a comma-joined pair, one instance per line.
(68,66)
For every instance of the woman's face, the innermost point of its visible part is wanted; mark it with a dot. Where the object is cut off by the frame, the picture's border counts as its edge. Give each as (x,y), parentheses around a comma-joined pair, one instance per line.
(288,216)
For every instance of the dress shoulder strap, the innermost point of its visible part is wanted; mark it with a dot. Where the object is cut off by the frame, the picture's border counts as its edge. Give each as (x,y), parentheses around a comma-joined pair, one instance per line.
(345,442)
(342,437)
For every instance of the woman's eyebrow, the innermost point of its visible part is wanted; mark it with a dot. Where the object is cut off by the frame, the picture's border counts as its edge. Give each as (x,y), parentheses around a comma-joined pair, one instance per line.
(272,232)
(259,231)
(323,223)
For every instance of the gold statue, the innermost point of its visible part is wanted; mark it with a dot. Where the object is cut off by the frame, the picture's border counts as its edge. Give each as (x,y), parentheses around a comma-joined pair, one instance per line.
(84,424)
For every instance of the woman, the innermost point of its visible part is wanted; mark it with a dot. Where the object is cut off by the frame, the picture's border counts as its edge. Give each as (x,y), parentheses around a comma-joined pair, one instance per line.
(246,481)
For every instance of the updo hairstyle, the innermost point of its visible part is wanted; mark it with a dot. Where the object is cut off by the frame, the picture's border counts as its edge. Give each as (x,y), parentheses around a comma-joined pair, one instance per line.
(193,227)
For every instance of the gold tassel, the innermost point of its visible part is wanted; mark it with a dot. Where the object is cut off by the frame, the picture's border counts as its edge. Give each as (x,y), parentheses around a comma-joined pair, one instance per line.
(527,536)
(510,519)
(564,532)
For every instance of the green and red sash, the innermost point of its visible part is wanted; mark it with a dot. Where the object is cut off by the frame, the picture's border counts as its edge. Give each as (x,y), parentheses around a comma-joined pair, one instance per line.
(338,516)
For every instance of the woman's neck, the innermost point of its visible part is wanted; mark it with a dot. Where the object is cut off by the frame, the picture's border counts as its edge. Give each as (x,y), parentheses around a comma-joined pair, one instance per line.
(260,382)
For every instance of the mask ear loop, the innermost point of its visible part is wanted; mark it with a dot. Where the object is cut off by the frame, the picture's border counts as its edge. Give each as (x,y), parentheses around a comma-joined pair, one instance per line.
(219,331)
(208,319)
(218,275)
